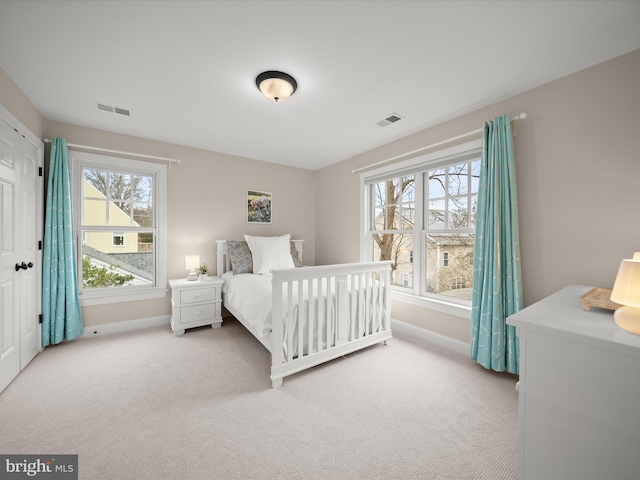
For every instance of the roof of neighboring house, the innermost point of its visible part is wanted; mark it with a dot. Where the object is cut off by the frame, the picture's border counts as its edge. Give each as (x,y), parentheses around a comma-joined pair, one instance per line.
(117,262)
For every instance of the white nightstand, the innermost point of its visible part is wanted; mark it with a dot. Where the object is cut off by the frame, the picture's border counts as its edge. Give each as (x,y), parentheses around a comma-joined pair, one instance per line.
(195,303)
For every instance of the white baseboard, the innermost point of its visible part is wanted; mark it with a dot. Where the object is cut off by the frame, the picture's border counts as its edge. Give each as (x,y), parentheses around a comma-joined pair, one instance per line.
(126,326)
(458,346)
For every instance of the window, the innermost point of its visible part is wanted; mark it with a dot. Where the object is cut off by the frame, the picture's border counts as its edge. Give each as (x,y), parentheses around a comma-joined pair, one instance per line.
(420,214)
(117,240)
(120,211)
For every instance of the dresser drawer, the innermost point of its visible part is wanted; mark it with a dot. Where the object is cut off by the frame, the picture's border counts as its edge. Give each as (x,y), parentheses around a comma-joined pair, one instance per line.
(600,382)
(198,313)
(197,295)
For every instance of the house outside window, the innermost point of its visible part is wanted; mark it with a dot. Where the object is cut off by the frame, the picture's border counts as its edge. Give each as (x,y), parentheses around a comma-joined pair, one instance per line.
(420,214)
(119,214)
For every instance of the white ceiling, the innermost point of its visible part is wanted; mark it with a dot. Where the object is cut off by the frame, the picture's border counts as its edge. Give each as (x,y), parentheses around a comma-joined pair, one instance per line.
(187,70)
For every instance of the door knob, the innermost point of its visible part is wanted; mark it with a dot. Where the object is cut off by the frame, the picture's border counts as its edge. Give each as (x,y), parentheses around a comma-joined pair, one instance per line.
(23,266)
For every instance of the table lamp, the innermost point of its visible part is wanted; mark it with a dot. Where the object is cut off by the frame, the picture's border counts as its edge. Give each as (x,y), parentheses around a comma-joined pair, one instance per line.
(626,292)
(191,262)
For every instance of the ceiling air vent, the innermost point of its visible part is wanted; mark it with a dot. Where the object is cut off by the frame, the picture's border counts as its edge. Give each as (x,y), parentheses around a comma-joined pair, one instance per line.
(391,118)
(110,108)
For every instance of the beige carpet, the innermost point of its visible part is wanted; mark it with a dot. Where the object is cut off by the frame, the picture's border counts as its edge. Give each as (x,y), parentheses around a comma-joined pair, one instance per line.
(148,405)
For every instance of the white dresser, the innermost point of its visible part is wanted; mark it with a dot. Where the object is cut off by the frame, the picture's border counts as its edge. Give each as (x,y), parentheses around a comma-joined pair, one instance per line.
(579,392)
(195,303)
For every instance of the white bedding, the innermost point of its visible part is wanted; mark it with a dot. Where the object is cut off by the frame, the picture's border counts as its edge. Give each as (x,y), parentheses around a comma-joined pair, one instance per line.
(250,295)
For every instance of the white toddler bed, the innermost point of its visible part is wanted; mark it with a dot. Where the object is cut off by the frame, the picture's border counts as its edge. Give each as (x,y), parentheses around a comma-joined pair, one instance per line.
(341,308)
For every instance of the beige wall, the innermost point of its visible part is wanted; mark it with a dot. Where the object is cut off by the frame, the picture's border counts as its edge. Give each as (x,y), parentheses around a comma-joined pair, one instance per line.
(578,168)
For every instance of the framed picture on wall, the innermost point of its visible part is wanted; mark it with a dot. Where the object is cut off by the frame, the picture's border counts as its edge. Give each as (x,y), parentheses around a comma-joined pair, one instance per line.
(259,206)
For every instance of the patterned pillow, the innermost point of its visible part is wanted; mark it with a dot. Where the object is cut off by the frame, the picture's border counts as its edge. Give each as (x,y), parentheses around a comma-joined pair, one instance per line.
(242,261)
(240,257)
(295,255)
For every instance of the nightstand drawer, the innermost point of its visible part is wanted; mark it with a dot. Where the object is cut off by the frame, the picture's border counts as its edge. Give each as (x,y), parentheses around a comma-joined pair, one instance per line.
(197,313)
(199,295)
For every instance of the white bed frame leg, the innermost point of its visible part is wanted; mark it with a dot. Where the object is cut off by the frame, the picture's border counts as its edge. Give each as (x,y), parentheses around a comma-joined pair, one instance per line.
(276,382)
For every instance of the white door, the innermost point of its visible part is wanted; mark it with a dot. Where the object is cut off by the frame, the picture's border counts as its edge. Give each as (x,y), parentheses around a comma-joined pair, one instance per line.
(9,289)
(21,209)
(31,209)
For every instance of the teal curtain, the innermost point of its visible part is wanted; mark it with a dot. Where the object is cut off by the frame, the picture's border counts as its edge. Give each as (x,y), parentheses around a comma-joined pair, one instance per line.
(61,316)
(497,279)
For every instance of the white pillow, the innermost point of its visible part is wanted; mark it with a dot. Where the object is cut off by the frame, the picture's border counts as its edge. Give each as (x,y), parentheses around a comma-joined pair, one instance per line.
(270,253)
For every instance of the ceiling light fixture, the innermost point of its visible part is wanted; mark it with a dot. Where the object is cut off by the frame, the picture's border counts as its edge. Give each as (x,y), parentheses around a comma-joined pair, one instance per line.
(276,86)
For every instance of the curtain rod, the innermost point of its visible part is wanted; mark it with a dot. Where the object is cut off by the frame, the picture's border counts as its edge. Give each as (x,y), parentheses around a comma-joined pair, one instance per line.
(118,152)
(522,116)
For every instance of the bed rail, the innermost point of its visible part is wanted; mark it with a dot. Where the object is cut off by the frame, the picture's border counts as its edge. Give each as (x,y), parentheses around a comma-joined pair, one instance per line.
(342,308)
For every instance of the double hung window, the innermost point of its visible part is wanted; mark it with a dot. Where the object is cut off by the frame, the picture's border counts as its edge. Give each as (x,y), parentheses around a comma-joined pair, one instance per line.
(420,214)
(120,212)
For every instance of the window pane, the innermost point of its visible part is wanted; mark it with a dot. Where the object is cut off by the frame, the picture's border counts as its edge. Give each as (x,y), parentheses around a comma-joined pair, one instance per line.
(120,188)
(95,184)
(458,178)
(409,192)
(379,194)
(143,215)
(379,222)
(398,248)
(458,214)
(436,214)
(475,176)
(94,212)
(116,259)
(142,188)
(408,216)
(447,280)
(436,183)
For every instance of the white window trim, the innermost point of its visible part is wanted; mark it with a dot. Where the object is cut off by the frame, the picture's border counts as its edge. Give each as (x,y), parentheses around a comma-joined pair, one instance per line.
(79,160)
(429,161)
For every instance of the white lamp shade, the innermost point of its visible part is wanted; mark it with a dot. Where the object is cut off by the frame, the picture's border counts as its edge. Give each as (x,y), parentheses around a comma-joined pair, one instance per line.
(273,88)
(191,262)
(626,289)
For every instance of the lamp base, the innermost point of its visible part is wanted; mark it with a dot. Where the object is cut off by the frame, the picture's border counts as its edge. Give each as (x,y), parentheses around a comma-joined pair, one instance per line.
(628,318)
(192,275)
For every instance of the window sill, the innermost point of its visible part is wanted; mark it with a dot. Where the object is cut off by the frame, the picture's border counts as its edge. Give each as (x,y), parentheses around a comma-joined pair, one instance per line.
(449,308)
(107,297)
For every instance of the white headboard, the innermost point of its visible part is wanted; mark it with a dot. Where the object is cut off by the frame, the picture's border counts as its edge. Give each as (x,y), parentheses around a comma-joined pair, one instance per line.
(224,264)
